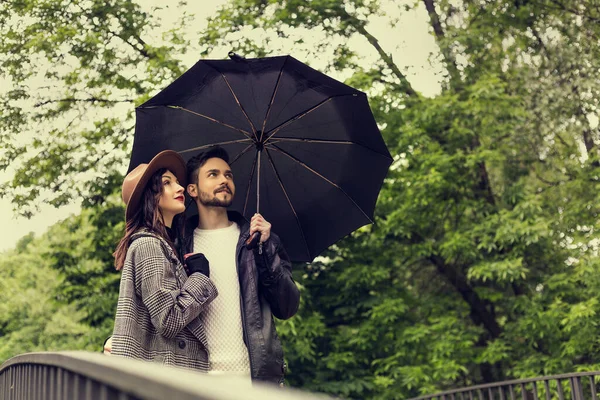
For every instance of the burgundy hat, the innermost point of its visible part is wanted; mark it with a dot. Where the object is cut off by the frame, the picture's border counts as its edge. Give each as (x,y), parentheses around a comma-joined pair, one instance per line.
(135,181)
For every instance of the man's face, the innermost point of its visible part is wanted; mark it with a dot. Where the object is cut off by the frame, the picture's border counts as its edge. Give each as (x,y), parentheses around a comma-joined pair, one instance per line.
(215,187)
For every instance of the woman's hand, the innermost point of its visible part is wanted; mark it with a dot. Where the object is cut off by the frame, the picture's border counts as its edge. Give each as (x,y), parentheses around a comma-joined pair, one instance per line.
(197,262)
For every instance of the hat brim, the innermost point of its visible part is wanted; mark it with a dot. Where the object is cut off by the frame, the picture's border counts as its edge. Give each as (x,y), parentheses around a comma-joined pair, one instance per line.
(168,159)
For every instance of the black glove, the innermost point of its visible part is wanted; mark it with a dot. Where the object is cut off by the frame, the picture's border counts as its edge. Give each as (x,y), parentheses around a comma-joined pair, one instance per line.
(197,263)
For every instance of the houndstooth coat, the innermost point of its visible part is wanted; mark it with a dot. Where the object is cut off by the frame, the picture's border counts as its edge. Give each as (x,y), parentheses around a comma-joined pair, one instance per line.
(159,306)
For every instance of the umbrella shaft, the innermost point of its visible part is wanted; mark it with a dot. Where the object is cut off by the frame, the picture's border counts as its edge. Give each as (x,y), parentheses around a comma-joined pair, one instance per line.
(258,181)
(258,193)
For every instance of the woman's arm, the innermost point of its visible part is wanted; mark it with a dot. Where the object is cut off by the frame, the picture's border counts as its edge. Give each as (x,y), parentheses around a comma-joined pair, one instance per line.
(171,307)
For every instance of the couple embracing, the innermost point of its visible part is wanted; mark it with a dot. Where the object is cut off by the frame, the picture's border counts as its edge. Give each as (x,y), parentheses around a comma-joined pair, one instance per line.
(192,293)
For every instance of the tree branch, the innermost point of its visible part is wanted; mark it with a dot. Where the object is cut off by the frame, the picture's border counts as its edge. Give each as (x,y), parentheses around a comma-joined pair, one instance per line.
(580,113)
(88,100)
(547,182)
(480,315)
(142,50)
(484,184)
(434,19)
(562,7)
(586,131)
(406,86)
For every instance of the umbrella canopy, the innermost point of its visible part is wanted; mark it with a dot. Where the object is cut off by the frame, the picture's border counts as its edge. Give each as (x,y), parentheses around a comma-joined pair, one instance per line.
(307,143)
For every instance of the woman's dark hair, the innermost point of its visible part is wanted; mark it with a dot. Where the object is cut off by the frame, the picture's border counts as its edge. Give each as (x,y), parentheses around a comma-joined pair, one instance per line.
(148,216)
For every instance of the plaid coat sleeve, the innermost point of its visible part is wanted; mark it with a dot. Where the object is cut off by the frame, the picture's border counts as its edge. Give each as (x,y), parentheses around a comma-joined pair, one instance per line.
(173,300)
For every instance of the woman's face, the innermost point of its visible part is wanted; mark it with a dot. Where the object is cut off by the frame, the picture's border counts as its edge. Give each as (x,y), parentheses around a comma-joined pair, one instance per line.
(171,201)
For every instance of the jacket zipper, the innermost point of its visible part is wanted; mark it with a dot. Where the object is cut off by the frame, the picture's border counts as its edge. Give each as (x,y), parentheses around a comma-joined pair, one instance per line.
(245,328)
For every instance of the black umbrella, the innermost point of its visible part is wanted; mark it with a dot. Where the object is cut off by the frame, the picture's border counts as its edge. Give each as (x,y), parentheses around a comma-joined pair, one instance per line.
(303,146)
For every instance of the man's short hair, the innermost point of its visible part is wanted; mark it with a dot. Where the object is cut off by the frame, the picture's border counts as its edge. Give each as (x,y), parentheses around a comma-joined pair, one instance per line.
(195,163)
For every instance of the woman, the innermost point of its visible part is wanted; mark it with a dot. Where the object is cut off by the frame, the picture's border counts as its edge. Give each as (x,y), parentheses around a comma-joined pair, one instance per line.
(157,312)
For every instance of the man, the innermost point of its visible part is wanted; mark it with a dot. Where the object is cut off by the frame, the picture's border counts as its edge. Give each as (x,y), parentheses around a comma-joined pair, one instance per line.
(253,285)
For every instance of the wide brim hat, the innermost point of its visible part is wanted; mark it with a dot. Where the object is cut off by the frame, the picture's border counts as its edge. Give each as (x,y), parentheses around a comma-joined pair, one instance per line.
(135,182)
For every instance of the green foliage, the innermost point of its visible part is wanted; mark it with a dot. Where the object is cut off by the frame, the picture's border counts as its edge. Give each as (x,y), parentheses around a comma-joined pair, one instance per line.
(482,264)
(31,318)
(97,63)
(81,250)
(60,291)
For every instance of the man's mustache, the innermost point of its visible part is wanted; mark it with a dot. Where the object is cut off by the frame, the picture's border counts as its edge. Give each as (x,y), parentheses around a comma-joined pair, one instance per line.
(223,188)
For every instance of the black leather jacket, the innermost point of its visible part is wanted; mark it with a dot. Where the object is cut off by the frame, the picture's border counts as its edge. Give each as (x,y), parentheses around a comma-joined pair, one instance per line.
(266,290)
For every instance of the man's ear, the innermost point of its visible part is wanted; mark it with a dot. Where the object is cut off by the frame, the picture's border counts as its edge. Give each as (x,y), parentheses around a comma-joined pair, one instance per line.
(192,190)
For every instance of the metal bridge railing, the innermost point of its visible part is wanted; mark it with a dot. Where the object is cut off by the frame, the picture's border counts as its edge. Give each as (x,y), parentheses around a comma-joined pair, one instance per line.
(91,376)
(576,386)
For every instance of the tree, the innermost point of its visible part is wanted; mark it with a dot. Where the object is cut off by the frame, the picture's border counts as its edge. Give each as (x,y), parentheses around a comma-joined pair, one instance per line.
(80,249)
(31,318)
(65,130)
(97,61)
(481,264)
(60,291)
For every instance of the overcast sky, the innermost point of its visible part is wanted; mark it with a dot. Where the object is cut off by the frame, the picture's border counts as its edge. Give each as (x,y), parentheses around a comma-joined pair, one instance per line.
(408,41)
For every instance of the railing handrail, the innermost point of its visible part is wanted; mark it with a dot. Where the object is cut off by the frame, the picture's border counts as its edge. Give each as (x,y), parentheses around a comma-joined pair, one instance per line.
(513,382)
(155,381)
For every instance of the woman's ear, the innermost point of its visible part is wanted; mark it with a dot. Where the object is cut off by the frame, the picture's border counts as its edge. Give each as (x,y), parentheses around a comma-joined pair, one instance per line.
(192,190)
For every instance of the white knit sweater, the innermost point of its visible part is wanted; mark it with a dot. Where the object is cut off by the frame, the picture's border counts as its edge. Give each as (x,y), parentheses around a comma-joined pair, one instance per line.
(223,318)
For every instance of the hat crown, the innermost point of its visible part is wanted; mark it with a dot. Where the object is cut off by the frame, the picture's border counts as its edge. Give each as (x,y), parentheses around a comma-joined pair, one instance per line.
(131,181)
(136,180)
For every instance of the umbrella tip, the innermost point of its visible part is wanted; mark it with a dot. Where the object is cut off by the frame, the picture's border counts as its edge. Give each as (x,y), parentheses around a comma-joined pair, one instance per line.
(235,57)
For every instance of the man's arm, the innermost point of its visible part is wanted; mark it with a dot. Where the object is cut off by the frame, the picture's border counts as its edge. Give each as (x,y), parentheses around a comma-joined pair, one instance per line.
(275,277)
(275,271)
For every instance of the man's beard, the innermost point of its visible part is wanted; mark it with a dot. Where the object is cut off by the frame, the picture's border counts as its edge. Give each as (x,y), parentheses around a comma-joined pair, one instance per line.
(208,201)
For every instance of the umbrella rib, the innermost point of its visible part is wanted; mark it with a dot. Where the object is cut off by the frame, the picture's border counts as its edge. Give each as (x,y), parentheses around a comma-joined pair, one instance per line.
(242,153)
(206,146)
(289,201)
(290,139)
(272,99)
(240,105)
(304,113)
(249,185)
(276,148)
(324,141)
(247,134)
